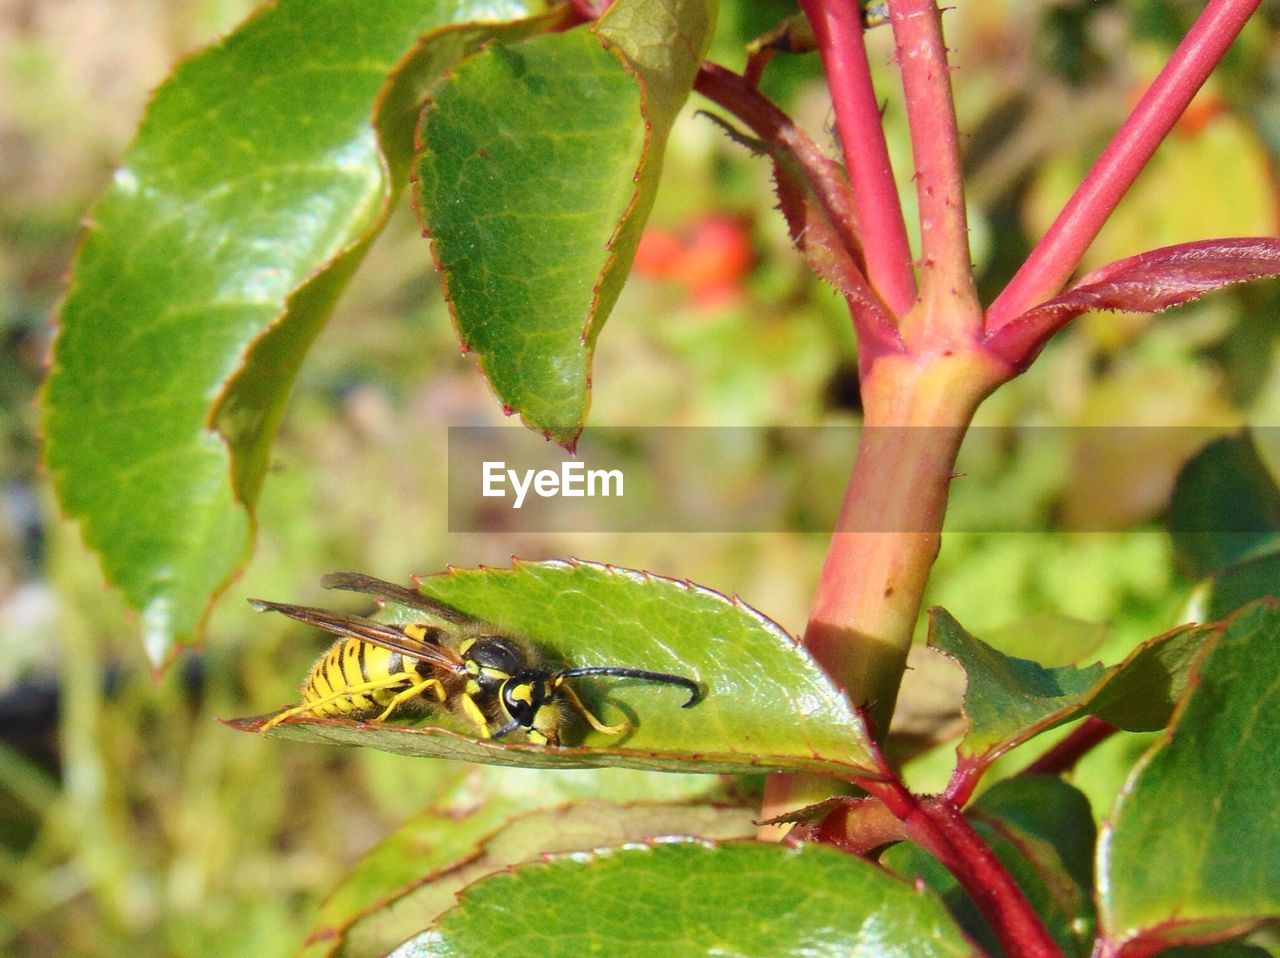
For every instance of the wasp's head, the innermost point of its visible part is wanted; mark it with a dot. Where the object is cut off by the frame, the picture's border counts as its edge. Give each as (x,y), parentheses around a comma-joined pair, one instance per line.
(529,701)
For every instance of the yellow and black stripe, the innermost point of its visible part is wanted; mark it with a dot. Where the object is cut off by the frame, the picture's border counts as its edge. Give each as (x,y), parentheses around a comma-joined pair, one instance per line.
(354,679)
(374,671)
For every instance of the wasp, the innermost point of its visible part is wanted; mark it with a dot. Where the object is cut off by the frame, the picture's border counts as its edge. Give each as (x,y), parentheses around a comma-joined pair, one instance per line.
(377,671)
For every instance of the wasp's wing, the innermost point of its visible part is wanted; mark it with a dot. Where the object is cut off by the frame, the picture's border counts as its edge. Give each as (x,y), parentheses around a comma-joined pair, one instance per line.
(366,630)
(359,582)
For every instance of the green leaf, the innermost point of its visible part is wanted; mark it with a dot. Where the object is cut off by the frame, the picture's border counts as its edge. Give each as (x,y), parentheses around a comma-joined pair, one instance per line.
(1225,507)
(697,898)
(1225,523)
(1009,699)
(539,166)
(1047,808)
(454,851)
(1042,830)
(1240,584)
(765,703)
(1049,638)
(432,840)
(1188,851)
(473,803)
(250,194)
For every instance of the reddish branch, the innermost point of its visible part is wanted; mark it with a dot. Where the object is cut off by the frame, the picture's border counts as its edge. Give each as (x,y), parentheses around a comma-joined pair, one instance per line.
(869,593)
(1064,756)
(1056,256)
(837,29)
(775,128)
(964,779)
(817,201)
(938,826)
(946,275)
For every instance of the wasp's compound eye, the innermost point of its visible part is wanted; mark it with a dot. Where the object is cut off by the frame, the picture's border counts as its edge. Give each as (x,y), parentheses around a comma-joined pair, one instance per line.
(522,699)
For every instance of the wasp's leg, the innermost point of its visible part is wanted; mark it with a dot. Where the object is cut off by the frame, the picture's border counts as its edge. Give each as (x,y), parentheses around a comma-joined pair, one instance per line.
(348,691)
(585,712)
(412,692)
(473,712)
(287,713)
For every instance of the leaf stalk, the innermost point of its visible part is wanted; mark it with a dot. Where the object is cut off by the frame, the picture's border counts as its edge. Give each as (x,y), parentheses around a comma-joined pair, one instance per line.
(1081,740)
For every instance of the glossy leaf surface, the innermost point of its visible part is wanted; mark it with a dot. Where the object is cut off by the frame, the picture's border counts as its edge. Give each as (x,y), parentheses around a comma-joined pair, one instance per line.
(1009,699)
(460,850)
(1188,852)
(250,194)
(539,165)
(694,898)
(765,702)
(472,804)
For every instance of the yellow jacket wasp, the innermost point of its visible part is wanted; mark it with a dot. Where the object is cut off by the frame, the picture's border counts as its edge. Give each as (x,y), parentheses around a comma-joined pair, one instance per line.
(377,671)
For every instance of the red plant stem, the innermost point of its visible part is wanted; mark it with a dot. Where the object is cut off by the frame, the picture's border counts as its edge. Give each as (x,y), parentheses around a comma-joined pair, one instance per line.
(938,826)
(946,274)
(766,121)
(889,530)
(1075,746)
(837,28)
(1056,256)
(1061,758)
(825,183)
(873,578)
(733,92)
(964,779)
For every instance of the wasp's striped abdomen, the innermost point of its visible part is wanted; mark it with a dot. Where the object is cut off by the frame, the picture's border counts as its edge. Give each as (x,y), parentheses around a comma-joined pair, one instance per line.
(356,680)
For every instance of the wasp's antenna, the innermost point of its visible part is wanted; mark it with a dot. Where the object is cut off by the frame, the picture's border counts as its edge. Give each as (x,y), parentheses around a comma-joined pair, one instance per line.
(695,693)
(505,730)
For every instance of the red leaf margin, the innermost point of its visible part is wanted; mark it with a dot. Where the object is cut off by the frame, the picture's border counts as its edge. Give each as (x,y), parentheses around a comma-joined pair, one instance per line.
(1146,283)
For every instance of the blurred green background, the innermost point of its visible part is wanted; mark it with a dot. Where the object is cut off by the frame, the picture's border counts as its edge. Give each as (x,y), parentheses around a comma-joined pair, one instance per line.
(132,822)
